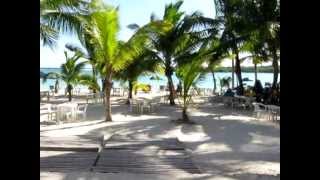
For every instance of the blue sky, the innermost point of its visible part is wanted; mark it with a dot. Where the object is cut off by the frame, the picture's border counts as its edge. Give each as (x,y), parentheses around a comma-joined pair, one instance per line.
(131,11)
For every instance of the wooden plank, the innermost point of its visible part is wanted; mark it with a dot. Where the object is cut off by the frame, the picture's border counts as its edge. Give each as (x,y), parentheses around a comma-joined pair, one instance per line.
(123,154)
(61,161)
(70,143)
(145,171)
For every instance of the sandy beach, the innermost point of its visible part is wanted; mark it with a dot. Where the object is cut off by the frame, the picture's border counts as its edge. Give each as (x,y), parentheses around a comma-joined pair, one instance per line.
(224,143)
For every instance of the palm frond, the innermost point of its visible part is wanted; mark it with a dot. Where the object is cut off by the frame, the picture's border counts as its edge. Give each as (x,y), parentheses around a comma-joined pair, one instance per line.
(107,27)
(48,35)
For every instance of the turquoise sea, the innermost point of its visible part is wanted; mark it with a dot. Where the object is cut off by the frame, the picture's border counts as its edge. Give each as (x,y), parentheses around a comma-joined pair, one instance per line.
(207,83)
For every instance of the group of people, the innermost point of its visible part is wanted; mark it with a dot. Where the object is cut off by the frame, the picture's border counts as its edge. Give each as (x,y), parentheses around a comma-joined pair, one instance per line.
(267,94)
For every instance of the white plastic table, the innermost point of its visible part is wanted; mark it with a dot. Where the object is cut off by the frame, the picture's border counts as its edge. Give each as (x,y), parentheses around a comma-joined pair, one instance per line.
(64,109)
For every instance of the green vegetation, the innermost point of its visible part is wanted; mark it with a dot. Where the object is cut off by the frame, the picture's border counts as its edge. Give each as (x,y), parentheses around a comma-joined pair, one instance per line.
(71,74)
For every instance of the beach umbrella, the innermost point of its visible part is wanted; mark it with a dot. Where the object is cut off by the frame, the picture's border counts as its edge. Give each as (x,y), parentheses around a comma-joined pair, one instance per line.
(246,79)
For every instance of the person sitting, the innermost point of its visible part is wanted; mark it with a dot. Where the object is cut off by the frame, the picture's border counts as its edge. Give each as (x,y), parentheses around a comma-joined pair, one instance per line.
(229,93)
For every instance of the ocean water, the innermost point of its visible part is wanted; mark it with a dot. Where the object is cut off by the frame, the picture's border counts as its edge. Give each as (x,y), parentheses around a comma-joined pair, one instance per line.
(206,83)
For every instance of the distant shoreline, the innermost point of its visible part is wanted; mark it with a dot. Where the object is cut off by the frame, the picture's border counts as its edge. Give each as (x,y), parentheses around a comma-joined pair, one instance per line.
(249,69)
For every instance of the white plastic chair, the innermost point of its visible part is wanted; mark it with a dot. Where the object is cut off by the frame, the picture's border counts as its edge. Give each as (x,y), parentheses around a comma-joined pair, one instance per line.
(145,106)
(155,104)
(258,110)
(82,111)
(134,106)
(49,110)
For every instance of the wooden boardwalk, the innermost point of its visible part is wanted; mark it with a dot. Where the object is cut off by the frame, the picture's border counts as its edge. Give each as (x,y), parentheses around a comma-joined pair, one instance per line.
(70,143)
(115,155)
(65,154)
(66,161)
(163,156)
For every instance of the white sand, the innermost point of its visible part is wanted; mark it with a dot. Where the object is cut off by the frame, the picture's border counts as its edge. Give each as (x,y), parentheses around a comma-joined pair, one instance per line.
(224,144)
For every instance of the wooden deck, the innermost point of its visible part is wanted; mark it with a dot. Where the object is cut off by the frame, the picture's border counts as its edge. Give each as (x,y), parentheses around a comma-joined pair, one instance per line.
(115,155)
(66,161)
(147,156)
(71,143)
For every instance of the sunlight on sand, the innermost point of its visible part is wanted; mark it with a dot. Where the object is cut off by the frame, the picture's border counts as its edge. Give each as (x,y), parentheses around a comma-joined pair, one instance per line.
(258,144)
(257,167)
(212,148)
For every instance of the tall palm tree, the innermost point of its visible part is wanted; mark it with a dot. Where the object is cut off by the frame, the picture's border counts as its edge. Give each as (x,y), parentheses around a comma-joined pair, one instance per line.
(262,21)
(111,54)
(70,73)
(59,16)
(268,27)
(234,33)
(170,45)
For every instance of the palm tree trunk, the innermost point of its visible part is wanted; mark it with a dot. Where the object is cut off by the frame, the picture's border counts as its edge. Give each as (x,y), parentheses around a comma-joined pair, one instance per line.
(108,86)
(94,77)
(69,89)
(238,71)
(168,73)
(232,73)
(130,91)
(185,117)
(171,89)
(275,66)
(214,82)
(255,72)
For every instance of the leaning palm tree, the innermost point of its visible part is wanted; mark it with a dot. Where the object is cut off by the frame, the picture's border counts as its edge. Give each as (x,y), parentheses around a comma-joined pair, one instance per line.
(111,54)
(70,73)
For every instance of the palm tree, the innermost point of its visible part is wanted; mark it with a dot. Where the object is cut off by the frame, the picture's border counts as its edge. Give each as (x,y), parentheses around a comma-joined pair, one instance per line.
(241,20)
(189,74)
(268,28)
(262,21)
(59,16)
(142,64)
(111,54)
(171,44)
(71,73)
